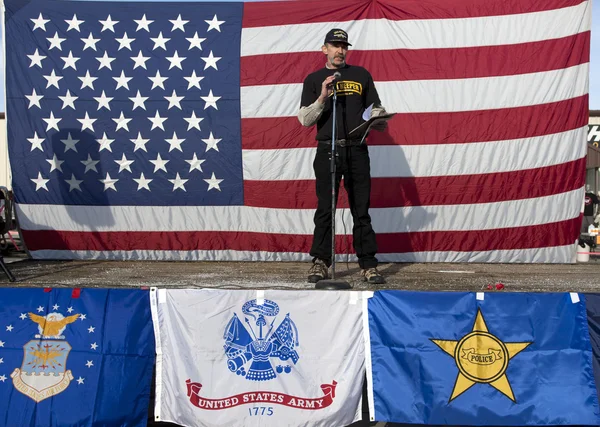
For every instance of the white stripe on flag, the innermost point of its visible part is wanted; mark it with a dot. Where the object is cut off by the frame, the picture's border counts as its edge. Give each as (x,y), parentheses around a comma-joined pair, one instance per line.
(428,160)
(430,96)
(482,216)
(382,34)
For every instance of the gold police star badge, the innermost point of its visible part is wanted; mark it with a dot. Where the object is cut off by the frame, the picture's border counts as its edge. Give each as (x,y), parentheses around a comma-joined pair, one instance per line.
(481,358)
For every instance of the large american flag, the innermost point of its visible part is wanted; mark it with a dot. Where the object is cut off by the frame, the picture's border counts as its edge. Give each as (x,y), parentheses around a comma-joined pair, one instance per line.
(169,131)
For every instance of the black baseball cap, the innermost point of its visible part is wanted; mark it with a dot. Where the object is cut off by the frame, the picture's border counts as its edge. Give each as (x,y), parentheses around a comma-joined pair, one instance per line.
(337,35)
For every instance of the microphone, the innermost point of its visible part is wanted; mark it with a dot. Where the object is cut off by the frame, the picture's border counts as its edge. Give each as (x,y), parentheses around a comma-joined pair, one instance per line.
(337,75)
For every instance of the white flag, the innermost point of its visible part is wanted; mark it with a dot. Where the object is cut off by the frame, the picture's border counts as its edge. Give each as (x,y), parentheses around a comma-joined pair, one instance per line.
(248,358)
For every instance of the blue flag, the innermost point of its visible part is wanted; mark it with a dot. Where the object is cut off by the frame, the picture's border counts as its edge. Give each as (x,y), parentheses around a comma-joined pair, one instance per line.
(117,103)
(75,360)
(509,359)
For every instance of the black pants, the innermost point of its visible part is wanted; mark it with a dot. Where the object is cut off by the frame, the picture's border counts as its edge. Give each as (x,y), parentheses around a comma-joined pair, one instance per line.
(354,165)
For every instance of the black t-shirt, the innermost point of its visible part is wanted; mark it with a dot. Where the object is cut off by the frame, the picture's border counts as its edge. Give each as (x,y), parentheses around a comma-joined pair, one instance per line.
(590,200)
(355,92)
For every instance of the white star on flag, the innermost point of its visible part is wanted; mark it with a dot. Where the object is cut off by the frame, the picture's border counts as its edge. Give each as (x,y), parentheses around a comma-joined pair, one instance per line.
(213,182)
(89,364)
(34,99)
(124,164)
(194,80)
(178,24)
(55,307)
(105,61)
(74,23)
(195,41)
(157,121)
(73,183)
(195,163)
(94,346)
(52,122)
(55,42)
(109,183)
(40,309)
(23,316)
(108,24)
(40,182)
(159,163)
(87,122)
(138,101)
(214,24)
(158,80)
(68,100)
(70,61)
(87,80)
(105,143)
(143,24)
(103,101)
(175,60)
(2,378)
(142,182)
(91,329)
(53,80)
(122,122)
(90,42)
(40,23)
(36,59)
(211,143)
(175,143)
(82,317)
(211,100)
(122,81)
(9,328)
(55,163)
(160,41)
(193,121)
(90,165)
(70,310)
(69,143)
(211,61)
(80,380)
(140,60)
(174,100)
(125,42)
(178,182)
(140,143)
(36,142)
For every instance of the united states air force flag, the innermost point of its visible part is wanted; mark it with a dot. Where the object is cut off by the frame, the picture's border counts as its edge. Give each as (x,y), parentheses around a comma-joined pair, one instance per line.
(70,358)
(505,359)
(242,358)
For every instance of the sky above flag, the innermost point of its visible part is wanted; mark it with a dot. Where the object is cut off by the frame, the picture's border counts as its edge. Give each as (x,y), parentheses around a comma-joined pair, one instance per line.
(594,58)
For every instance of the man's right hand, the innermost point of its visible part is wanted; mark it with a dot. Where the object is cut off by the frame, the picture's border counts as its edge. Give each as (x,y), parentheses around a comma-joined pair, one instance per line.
(326,89)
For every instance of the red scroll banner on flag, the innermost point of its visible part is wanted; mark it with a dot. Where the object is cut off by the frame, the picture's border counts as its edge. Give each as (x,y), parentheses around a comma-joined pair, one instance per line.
(193,390)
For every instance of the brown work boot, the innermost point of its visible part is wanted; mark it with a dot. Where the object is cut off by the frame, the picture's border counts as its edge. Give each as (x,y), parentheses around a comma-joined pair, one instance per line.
(371,275)
(318,271)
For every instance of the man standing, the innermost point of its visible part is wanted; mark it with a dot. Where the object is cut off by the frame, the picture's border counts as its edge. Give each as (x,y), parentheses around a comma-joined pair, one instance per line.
(356,91)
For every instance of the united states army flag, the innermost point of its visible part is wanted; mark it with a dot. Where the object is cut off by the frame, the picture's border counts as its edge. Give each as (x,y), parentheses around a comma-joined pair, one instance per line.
(254,358)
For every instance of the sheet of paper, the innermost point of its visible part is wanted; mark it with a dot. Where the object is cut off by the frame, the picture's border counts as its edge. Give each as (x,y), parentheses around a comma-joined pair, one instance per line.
(367,113)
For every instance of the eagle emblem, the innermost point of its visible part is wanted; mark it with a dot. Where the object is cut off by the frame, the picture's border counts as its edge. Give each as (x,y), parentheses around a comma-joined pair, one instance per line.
(44,373)
(52,325)
(259,341)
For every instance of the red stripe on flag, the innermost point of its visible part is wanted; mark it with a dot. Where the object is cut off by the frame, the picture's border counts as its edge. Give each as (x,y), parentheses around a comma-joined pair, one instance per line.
(428,191)
(535,236)
(426,64)
(433,128)
(264,14)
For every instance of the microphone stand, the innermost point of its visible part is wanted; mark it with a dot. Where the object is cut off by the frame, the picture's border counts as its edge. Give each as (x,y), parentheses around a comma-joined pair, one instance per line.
(332,283)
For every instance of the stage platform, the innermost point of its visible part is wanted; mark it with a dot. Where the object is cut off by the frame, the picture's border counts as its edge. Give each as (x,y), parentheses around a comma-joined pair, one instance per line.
(583,277)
